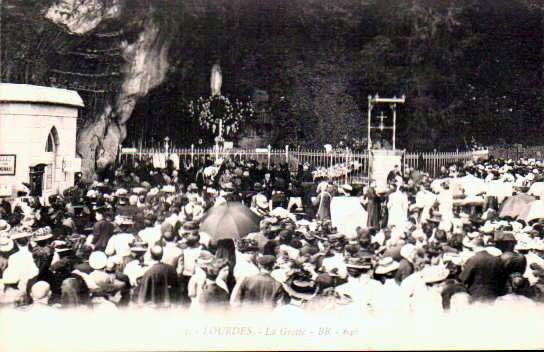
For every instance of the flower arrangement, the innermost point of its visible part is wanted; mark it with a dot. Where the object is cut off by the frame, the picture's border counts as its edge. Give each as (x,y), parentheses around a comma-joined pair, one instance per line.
(219,111)
(336,171)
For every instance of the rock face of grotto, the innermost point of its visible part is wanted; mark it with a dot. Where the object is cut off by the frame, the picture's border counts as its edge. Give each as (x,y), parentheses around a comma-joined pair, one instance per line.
(130,39)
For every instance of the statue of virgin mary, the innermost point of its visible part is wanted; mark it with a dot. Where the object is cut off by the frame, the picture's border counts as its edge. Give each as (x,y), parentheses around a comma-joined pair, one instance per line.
(216,80)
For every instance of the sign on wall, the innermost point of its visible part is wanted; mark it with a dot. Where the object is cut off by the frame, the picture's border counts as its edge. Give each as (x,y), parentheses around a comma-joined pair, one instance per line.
(71,164)
(7,164)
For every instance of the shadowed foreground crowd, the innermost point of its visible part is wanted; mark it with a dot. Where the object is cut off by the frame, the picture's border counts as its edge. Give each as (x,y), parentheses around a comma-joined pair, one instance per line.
(134,239)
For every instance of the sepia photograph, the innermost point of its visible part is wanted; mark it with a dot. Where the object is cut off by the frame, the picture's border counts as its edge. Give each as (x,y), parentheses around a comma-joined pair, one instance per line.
(217,175)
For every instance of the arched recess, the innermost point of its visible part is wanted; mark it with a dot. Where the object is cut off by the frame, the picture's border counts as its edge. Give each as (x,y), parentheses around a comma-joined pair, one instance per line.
(51,149)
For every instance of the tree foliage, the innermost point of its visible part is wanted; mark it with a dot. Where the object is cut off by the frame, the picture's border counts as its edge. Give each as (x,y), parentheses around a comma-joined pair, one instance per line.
(469,68)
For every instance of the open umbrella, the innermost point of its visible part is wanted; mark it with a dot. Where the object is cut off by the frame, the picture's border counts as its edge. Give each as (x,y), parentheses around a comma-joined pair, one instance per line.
(230,220)
(516,205)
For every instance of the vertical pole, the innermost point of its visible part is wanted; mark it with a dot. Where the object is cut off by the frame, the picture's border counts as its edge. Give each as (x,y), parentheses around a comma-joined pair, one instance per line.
(269,148)
(368,139)
(394,123)
(369,114)
(192,152)
(346,164)
(1,6)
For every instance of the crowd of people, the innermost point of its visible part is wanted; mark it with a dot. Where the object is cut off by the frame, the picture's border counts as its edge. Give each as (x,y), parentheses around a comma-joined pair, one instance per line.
(134,239)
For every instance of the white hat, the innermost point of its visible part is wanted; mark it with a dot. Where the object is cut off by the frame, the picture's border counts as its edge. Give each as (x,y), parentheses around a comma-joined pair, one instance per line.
(408,252)
(6,244)
(4,226)
(98,260)
(386,265)
(435,273)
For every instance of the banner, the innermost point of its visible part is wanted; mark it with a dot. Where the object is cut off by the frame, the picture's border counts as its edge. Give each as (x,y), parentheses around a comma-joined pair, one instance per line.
(347,213)
(7,164)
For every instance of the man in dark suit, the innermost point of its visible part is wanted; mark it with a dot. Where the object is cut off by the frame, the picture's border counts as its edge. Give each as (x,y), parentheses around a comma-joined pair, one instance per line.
(484,276)
(159,285)
(260,289)
(102,230)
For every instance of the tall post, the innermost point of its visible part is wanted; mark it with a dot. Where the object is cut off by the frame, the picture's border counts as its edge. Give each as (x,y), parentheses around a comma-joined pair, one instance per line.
(394,107)
(369,115)
(287,155)
(1,5)
(368,138)
(192,153)
(269,150)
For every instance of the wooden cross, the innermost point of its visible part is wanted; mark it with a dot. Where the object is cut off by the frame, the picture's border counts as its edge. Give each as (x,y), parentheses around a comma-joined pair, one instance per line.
(381,117)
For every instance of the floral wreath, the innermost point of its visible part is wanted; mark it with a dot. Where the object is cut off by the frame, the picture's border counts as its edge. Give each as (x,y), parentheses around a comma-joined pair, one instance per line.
(210,110)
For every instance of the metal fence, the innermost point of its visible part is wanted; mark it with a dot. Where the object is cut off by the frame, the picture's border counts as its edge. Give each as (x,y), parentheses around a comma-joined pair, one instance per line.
(517,151)
(341,165)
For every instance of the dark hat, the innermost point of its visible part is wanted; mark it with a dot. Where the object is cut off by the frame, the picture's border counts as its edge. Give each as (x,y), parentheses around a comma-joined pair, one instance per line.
(266,260)
(190,226)
(360,261)
(501,236)
(324,281)
(247,245)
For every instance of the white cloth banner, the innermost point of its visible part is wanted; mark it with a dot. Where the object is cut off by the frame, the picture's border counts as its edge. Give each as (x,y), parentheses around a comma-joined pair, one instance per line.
(159,161)
(347,213)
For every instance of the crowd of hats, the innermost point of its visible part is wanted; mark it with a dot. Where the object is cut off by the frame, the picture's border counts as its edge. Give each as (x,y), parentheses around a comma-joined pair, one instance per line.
(290,237)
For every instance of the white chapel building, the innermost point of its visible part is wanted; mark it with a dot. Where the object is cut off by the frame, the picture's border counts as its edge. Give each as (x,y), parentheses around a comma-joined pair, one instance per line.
(38,138)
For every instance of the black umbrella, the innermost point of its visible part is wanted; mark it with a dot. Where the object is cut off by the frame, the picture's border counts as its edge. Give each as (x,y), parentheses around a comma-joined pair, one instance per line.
(231,220)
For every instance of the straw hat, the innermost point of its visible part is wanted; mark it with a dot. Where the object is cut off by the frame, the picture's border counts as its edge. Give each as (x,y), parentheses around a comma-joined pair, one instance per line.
(4,226)
(6,244)
(386,265)
(434,273)
(43,234)
(22,234)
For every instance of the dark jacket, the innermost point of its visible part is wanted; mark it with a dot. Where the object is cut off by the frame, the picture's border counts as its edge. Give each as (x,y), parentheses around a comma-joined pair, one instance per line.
(484,276)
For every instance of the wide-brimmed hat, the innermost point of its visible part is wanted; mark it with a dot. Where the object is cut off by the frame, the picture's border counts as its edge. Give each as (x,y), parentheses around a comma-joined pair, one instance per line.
(386,265)
(6,244)
(435,273)
(205,258)
(43,234)
(4,226)
(504,236)
(21,234)
(362,261)
(98,260)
